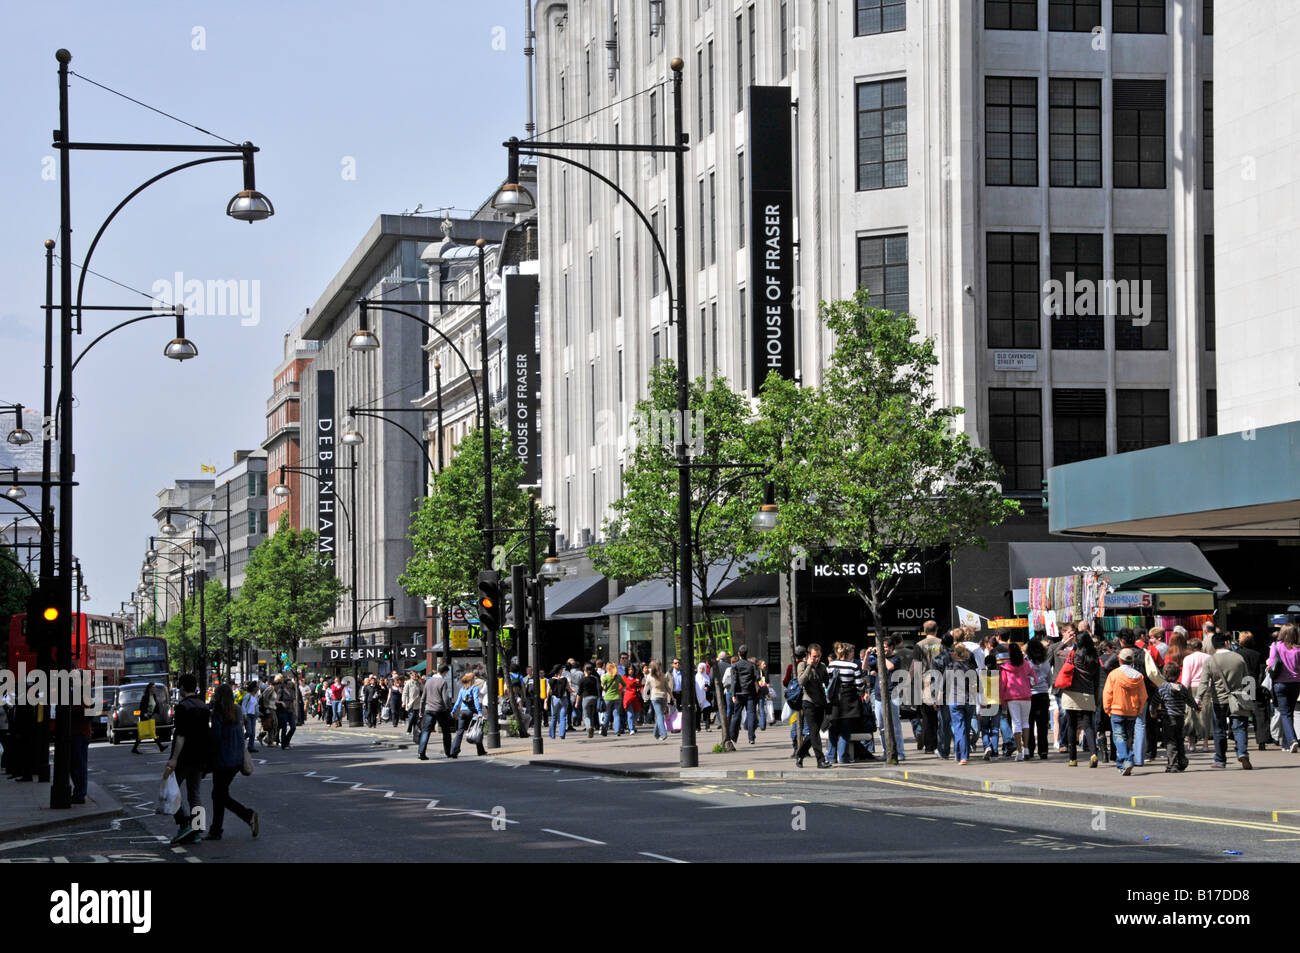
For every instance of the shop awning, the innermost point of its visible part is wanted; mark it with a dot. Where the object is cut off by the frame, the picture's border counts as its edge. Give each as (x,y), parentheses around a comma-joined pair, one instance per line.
(1136,559)
(581,598)
(416,668)
(733,591)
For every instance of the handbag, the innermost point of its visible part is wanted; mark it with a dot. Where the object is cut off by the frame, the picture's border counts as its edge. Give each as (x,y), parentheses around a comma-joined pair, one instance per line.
(1241,702)
(146,729)
(246,768)
(1065,677)
(474,733)
(794,695)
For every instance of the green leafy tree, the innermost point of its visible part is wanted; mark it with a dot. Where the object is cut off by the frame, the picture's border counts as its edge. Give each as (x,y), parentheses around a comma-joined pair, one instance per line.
(289,592)
(149,626)
(15,584)
(890,475)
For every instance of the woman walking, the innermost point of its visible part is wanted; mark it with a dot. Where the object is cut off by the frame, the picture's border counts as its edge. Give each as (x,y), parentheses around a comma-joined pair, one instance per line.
(557,700)
(632,697)
(1284,666)
(702,694)
(1078,697)
(660,689)
(1015,678)
(846,713)
(466,706)
(611,688)
(961,688)
(589,693)
(149,712)
(1040,706)
(227,748)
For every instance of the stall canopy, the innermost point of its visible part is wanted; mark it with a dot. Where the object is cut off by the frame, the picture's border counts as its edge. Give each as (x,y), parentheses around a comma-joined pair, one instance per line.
(733,590)
(581,598)
(1173,565)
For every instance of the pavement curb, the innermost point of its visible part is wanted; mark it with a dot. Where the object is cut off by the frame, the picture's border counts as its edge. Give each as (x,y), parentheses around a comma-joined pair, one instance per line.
(1101,799)
(107,807)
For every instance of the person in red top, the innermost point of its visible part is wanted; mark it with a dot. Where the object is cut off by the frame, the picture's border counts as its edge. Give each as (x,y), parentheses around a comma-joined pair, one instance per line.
(632,695)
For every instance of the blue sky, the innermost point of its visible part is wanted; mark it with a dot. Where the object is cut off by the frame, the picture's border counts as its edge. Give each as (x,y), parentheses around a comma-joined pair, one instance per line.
(414,97)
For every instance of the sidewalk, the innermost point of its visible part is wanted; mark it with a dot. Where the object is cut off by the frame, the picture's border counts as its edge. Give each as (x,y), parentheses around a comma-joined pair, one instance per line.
(25,808)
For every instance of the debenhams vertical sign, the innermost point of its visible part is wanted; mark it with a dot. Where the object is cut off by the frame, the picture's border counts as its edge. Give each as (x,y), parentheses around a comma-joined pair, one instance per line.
(771,217)
(325,519)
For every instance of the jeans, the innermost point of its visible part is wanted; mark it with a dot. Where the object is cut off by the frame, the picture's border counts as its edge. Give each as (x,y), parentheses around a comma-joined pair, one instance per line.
(559,715)
(462,726)
(1124,727)
(989,731)
(287,728)
(1060,718)
(80,765)
(961,716)
(1008,736)
(660,706)
(589,705)
(1219,726)
(1040,714)
(747,704)
(336,709)
(250,729)
(221,799)
(1076,720)
(897,722)
(1285,694)
(1139,738)
(629,719)
(945,730)
(842,741)
(442,720)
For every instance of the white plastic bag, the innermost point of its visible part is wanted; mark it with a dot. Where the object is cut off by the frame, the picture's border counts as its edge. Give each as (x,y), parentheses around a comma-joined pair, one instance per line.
(169,796)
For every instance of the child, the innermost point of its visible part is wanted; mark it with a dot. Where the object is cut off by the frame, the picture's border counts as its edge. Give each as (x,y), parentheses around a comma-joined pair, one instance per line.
(1174,699)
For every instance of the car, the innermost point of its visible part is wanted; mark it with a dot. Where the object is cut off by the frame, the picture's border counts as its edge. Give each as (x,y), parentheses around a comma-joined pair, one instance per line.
(125,713)
(100,719)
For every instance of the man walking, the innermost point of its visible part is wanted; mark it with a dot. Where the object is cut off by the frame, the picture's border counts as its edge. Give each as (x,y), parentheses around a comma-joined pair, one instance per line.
(744,693)
(1123,699)
(1223,683)
(436,710)
(189,757)
(286,709)
(250,704)
(812,678)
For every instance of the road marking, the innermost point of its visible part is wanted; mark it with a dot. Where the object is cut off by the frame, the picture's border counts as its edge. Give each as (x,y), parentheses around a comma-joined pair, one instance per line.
(671,860)
(587,840)
(1133,801)
(1287,811)
(1005,830)
(193,860)
(750,774)
(862,810)
(924,818)
(1280,840)
(892,814)
(179,850)
(963,824)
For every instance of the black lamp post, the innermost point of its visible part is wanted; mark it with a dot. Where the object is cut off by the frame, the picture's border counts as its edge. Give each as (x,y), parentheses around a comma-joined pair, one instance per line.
(514,197)
(248,205)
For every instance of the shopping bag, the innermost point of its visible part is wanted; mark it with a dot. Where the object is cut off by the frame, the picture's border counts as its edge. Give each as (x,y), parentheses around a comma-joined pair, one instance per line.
(786,712)
(169,796)
(675,721)
(146,729)
(474,734)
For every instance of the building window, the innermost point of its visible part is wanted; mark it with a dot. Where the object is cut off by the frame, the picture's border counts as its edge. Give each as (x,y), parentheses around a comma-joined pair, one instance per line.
(704,232)
(252,484)
(565,282)
(710,87)
(1013,289)
(713,218)
(263,517)
(882,270)
(620,388)
(1077,270)
(1141,419)
(564,205)
(785,40)
(1078,425)
(1209,292)
(1016,435)
(654,124)
(1207,21)
(252,521)
(564,110)
(618,275)
(1073,16)
(1211,413)
(882,134)
(1011,14)
(1138,16)
(587,76)
(1141,259)
(740,62)
(591,379)
(1010,131)
(704,335)
(1074,133)
(1139,133)
(654,349)
(591,292)
(654,256)
(753,47)
(713,336)
(1207,134)
(616,163)
(880,16)
(699,94)
(744,339)
(740,205)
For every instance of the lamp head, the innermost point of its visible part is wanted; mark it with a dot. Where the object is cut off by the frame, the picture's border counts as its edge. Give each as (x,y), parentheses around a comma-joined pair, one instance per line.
(180,348)
(20,436)
(168,528)
(281,490)
(766,518)
(250,205)
(551,569)
(352,437)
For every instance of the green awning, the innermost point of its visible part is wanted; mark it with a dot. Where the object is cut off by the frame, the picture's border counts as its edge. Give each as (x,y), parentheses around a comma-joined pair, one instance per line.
(416,668)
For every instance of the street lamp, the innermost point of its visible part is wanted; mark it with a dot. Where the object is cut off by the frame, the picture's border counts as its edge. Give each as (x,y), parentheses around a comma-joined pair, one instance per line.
(352,437)
(180,348)
(15,492)
(20,436)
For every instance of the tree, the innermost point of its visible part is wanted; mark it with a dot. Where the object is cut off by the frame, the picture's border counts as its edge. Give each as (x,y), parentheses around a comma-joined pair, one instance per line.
(889,473)
(289,592)
(15,584)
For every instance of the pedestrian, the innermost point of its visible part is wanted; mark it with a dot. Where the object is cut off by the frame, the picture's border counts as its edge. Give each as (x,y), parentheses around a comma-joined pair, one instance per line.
(286,708)
(1040,703)
(660,689)
(148,712)
(189,757)
(1078,692)
(557,701)
(1015,689)
(744,694)
(812,678)
(1284,669)
(1198,726)
(1256,670)
(703,713)
(891,704)
(228,750)
(412,690)
(464,709)
(632,696)
(1225,689)
(791,676)
(961,691)
(676,674)
(927,649)
(1124,698)
(611,689)
(589,694)
(845,712)
(435,710)
(79,752)
(574,676)
(250,704)
(335,697)
(1174,702)
(267,707)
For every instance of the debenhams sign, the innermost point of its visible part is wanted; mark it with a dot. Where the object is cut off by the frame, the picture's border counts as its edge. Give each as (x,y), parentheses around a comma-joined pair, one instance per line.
(771,216)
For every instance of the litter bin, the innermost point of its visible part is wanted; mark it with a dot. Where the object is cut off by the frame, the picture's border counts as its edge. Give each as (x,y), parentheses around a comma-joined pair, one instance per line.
(353,709)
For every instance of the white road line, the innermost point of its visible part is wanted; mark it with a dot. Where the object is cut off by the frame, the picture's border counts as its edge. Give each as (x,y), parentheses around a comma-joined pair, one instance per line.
(963,824)
(1005,830)
(587,840)
(671,860)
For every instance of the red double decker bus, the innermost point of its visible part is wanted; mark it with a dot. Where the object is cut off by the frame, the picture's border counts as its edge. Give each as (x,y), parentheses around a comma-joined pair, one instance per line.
(97,646)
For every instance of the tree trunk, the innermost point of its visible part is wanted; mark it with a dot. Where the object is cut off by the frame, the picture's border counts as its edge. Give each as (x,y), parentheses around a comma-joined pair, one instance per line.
(882,677)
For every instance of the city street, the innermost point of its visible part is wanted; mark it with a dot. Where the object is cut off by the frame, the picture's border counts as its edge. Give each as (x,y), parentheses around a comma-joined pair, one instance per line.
(334,796)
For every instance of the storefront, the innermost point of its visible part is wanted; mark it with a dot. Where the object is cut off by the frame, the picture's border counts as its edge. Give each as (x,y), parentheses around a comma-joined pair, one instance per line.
(576,625)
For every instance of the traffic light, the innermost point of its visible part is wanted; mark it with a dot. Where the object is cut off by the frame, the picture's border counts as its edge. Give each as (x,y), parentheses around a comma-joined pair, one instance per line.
(489,599)
(44,615)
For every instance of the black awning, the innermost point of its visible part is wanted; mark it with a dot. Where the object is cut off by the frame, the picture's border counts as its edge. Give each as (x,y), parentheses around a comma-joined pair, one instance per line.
(1034,560)
(581,598)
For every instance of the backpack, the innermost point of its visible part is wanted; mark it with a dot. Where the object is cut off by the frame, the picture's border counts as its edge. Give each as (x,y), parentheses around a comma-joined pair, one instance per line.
(794,694)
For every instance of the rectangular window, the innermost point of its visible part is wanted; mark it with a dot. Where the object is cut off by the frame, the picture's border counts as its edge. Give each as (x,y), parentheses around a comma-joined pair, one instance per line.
(616,162)
(1074,133)
(880,16)
(252,522)
(1013,289)
(1078,425)
(1142,259)
(654,122)
(568,417)
(654,349)
(1141,419)
(740,62)
(744,340)
(1010,131)
(587,76)
(785,41)
(713,219)
(1073,16)
(1209,292)
(1211,413)
(1077,270)
(591,292)
(704,221)
(1011,14)
(753,47)
(1207,134)
(704,335)
(710,87)
(618,275)
(1138,16)
(699,94)
(591,378)
(713,336)
(654,256)
(882,270)
(1016,435)
(564,109)
(882,134)
(1207,21)
(743,198)
(620,388)
(264,522)
(252,484)
(567,337)
(1139,133)
(564,205)
(591,199)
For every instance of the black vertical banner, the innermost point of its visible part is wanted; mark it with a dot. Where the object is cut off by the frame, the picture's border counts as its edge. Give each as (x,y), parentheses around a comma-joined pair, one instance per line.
(771,228)
(523,373)
(326,521)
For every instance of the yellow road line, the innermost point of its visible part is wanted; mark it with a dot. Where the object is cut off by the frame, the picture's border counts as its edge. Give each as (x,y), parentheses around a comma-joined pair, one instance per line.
(1133,801)
(1290,810)
(1014,799)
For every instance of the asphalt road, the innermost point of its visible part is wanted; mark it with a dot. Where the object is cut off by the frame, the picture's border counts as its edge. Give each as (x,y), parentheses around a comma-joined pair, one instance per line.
(334,797)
